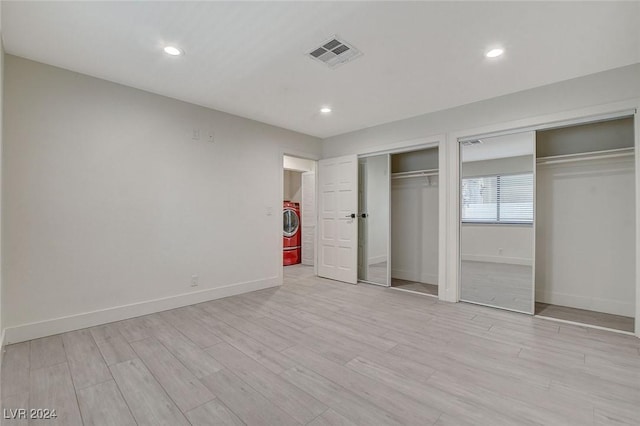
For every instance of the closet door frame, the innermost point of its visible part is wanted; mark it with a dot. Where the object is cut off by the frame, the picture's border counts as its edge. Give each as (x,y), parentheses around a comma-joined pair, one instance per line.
(566,118)
(636,120)
(409,146)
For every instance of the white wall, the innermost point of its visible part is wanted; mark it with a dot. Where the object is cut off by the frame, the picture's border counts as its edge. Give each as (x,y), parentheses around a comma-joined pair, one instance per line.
(596,89)
(585,235)
(512,244)
(411,161)
(509,165)
(414,229)
(109,202)
(292,186)
(377,175)
(599,136)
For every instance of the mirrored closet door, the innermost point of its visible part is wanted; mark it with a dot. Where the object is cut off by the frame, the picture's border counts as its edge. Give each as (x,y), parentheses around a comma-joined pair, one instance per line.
(373,219)
(497,235)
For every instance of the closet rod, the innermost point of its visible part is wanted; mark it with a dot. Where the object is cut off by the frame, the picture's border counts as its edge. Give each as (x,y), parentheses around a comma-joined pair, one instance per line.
(584,156)
(415,173)
(414,176)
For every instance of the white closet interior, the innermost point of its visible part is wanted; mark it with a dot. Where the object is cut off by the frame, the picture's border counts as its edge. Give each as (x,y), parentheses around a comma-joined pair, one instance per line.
(414,221)
(585,224)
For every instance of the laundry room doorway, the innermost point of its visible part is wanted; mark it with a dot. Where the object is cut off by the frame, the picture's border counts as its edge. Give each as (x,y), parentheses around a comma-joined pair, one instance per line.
(299,221)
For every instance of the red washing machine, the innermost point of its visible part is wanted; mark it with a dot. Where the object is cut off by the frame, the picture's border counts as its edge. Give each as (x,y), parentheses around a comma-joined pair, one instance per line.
(291,234)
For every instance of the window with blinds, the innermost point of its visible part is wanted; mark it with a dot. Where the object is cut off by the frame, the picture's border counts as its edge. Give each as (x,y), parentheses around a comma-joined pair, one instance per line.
(498,199)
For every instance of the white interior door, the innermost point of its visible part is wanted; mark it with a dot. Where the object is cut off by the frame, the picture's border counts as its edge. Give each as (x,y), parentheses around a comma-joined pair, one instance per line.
(308,212)
(338,225)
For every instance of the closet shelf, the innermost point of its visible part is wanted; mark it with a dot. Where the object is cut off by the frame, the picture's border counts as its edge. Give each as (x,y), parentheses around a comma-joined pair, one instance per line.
(415,173)
(583,156)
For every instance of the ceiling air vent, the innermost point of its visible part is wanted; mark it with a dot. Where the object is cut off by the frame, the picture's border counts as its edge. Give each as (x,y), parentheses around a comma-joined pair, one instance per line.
(334,52)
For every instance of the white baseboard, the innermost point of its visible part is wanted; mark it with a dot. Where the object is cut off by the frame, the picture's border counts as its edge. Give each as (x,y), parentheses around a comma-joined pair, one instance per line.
(50,327)
(607,306)
(497,259)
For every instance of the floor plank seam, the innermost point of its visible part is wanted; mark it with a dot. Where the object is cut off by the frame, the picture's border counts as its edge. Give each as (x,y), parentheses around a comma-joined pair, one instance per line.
(159,379)
(75,392)
(94,384)
(318,416)
(123,398)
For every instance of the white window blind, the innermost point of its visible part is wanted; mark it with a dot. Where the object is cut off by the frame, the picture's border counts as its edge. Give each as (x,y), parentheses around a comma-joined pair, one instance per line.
(498,199)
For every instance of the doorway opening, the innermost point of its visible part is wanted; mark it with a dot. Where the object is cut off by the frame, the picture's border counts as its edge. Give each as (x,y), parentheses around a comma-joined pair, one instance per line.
(298,212)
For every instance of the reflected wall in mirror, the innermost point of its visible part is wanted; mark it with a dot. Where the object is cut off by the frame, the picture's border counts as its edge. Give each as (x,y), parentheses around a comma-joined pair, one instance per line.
(497,221)
(373,219)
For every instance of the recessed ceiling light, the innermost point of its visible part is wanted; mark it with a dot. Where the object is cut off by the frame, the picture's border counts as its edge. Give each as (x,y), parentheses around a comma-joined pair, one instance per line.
(173,51)
(325,110)
(494,53)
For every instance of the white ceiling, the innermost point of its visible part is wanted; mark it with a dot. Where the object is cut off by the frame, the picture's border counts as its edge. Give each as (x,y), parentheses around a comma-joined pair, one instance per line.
(248,58)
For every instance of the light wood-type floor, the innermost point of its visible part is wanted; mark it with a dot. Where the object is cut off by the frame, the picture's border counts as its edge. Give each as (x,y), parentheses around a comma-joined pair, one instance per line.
(497,284)
(425,288)
(584,316)
(319,352)
(376,273)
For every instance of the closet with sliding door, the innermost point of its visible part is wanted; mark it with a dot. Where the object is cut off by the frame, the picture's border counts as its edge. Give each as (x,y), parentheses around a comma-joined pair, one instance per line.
(548,222)
(414,221)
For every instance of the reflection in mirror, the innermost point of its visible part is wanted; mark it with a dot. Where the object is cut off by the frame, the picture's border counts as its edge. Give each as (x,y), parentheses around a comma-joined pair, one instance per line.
(497,227)
(373,219)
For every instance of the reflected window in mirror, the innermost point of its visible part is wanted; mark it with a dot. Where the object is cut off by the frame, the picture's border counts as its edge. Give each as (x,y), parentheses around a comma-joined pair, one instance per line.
(498,199)
(497,221)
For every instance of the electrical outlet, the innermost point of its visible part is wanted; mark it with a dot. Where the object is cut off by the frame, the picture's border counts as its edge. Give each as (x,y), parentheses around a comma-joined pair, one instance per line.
(196,134)
(194,281)
(500,251)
